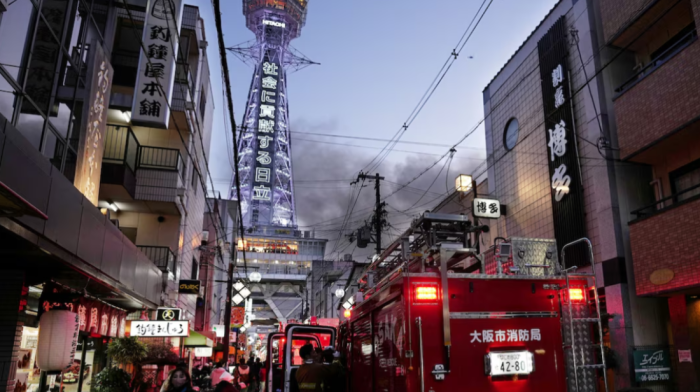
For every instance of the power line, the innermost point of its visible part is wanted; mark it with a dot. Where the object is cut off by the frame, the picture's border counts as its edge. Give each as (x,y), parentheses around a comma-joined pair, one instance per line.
(431,89)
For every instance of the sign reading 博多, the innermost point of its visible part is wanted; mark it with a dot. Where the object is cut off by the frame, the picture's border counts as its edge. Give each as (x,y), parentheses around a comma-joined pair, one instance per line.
(652,365)
(486,208)
(564,170)
(188,287)
(91,145)
(168,314)
(156,74)
(163,329)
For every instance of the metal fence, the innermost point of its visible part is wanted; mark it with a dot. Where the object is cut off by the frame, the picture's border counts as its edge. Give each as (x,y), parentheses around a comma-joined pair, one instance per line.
(122,147)
(161,158)
(161,256)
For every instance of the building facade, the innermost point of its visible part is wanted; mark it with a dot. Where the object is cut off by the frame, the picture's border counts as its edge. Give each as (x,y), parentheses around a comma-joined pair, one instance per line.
(102,210)
(578,145)
(657,115)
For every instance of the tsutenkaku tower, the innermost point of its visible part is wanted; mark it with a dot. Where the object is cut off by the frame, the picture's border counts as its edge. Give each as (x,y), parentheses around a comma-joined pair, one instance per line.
(264,164)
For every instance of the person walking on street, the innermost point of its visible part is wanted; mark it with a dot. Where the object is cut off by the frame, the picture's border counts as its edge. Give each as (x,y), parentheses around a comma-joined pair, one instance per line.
(312,376)
(217,373)
(241,376)
(226,384)
(179,380)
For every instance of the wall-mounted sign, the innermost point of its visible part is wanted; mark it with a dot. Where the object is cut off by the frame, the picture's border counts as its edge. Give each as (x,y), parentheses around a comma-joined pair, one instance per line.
(486,208)
(92,134)
(168,314)
(156,76)
(203,352)
(219,330)
(273,23)
(237,316)
(652,365)
(188,287)
(685,356)
(163,329)
(564,170)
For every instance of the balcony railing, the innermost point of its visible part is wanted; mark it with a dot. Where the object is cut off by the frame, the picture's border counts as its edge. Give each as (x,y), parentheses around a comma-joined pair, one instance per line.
(162,159)
(659,60)
(276,269)
(122,147)
(161,256)
(661,205)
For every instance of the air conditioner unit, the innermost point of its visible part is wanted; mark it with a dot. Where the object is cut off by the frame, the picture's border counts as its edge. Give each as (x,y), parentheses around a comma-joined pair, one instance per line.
(203,44)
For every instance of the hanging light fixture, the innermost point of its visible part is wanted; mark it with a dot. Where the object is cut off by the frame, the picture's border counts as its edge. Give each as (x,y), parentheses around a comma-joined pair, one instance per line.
(463,183)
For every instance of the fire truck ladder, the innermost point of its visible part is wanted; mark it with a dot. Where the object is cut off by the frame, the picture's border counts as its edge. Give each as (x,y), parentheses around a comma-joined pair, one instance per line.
(580,364)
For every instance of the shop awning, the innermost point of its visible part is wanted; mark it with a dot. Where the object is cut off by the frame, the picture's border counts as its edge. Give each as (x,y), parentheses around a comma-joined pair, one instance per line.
(197,339)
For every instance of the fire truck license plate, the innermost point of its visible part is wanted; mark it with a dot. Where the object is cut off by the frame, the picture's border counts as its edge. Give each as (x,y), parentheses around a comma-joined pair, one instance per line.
(510,362)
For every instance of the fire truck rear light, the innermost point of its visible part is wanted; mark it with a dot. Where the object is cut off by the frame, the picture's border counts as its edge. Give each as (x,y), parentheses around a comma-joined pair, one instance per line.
(347,313)
(576,295)
(426,293)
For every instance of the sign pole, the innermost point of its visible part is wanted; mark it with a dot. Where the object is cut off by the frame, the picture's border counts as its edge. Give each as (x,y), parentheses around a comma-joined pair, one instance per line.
(475,219)
(227,313)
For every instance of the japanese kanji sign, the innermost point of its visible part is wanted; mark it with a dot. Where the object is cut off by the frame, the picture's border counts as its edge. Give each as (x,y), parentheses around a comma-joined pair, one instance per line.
(163,329)
(156,75)
(564,169)
(505,335)
(486,208)
(91,145)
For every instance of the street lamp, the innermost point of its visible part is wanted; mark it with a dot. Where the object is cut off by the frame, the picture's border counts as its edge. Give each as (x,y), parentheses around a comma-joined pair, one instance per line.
(255,277)
(340,293)
(463,183)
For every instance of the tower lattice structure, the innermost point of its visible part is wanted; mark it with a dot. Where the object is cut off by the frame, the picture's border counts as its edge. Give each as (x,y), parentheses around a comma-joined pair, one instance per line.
(264,146)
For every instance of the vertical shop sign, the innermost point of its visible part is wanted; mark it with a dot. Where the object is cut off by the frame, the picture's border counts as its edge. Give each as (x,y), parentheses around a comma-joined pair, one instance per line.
(562,150)
(156,74)
(91,146)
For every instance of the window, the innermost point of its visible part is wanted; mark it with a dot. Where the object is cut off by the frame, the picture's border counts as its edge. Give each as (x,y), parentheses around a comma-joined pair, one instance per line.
(510,135)
(202,102)
(195,270)
(195,179)
(685,178)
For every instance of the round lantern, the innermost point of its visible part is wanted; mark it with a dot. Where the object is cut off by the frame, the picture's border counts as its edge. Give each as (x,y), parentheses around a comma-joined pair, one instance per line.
(58,340)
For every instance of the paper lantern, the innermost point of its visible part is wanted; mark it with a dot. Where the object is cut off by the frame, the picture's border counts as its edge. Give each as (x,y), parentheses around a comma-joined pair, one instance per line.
(58,340)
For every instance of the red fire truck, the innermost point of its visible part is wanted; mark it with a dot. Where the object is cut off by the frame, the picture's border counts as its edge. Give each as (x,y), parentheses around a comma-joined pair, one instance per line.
(434,315)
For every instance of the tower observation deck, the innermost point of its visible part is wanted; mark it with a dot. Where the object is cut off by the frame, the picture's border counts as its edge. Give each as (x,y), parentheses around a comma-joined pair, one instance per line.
(265,166)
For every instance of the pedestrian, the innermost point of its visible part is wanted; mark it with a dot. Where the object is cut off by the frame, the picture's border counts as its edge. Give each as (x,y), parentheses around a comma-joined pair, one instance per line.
(241,376)
(311,376)
(179,380)
(263,375)
(226,384)
(339,381)
(217,373)
(257,366)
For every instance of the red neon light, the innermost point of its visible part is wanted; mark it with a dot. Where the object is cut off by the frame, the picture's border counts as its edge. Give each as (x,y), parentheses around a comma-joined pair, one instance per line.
(576,295)
(426,293)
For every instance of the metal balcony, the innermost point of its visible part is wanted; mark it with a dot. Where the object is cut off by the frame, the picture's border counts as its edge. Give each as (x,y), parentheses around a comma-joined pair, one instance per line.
(161,256)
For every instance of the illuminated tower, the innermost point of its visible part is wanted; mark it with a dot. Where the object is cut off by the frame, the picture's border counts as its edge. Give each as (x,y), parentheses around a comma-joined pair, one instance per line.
(264,164)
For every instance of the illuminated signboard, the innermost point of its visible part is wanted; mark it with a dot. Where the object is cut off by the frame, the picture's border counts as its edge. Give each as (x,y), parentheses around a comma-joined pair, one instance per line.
(156,75)
(203,351)
(486,208)
(91,145)
(273,23)
(188,286)
(161,329)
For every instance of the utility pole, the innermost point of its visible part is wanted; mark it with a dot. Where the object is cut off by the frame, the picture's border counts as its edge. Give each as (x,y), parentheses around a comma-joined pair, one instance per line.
(474,218)
(379,208)
(227,312)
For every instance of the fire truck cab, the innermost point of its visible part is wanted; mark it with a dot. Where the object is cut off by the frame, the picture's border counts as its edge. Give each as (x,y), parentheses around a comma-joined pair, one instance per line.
(436,316)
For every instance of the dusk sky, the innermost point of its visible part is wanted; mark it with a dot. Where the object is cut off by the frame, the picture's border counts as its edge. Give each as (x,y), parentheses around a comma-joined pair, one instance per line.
(377,59)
